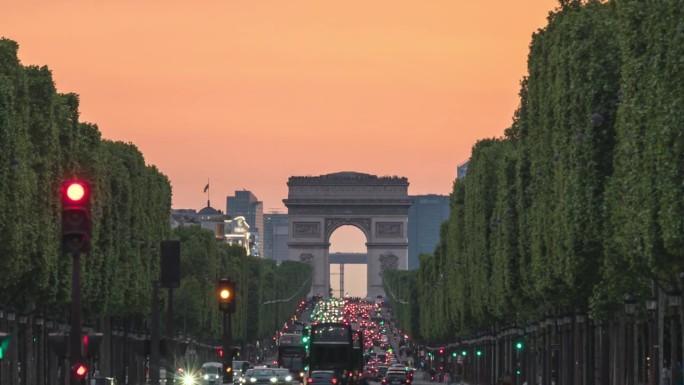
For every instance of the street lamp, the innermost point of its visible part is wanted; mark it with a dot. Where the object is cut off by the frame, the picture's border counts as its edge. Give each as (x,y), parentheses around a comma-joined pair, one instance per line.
(673,298)
(630,305)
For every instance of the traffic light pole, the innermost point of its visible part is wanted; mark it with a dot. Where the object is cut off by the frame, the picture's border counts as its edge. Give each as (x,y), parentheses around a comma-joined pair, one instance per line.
(227,348)
(75,333)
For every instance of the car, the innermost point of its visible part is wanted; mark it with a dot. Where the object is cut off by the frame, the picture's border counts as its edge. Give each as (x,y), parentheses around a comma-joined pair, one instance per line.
(283,375)
(380,374)
(258,376)
(322,377)
(211,373)
(395,377)
(239,369)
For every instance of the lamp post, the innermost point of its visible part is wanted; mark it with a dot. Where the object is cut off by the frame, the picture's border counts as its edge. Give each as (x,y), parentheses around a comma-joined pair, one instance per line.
(630,362)
(652,307)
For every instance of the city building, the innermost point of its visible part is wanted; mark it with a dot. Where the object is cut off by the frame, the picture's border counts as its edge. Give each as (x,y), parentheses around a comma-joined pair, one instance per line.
(425,217)
(276,230)
(237,232)
(233,231)
(245,204)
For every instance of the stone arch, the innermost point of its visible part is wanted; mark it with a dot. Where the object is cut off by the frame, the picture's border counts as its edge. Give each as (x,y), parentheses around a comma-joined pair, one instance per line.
(378,206)
(332,224)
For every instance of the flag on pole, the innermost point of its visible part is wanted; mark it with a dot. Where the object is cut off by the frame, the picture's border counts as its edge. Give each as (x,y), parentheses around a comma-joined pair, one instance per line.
(206,187)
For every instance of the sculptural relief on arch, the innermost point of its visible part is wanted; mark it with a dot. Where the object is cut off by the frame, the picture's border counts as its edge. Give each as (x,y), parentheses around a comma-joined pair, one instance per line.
(378,206)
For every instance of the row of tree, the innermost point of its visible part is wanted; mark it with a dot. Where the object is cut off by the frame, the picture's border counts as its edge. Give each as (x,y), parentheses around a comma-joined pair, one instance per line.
(42,144)
(581,201)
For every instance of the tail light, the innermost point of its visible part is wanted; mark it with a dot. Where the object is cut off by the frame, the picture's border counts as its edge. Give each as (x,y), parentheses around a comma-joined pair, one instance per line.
(309,380)
(334,380)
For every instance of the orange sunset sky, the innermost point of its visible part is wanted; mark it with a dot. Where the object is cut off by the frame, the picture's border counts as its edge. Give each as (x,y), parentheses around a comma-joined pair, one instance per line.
(249,93)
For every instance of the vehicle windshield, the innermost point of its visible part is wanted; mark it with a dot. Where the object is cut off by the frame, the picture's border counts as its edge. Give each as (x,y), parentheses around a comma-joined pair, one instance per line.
(212,370)
(321,375)
(262,372)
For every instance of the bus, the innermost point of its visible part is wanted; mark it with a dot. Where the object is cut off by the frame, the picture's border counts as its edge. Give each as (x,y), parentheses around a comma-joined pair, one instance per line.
(292,354)
(332,348)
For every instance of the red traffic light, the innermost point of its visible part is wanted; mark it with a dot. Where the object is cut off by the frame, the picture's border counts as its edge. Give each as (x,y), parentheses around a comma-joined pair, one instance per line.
(75,191)
(80,370)
(76,224)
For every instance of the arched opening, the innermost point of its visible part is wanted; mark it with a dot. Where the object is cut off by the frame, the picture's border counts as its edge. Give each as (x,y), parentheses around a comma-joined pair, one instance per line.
(348,243)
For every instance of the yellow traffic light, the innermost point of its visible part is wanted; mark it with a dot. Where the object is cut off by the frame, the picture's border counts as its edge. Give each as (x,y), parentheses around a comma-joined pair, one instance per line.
(225,294)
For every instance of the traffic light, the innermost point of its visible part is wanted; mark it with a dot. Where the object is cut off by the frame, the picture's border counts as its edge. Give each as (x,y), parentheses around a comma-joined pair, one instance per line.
(305,336)
(4,344)
(76,225)
(441,351)
(453,354)
(79,371)
(478,352)
(91,344)
(226,295)
(519,345)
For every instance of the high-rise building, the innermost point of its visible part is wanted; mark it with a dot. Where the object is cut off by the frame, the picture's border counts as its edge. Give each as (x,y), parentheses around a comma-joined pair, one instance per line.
(276,230)
(425,217)
(246,204)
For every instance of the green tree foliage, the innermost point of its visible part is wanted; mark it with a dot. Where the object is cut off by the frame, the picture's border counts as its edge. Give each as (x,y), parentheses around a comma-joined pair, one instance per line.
(580,203)
(131,202)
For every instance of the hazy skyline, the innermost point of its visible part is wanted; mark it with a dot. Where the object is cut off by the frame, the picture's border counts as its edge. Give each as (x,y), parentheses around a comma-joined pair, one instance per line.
(247,94)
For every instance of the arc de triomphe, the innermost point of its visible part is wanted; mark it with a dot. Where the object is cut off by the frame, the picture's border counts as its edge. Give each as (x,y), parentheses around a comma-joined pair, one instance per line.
(378,206)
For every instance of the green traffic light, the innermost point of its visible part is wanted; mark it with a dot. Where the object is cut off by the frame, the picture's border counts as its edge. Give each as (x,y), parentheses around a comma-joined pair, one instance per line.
(464,353)
(518,345)
(4,344)
(453,354)
(479,352)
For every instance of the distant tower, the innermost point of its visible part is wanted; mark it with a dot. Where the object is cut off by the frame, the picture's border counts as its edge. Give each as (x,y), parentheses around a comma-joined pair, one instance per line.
(246,204)
(425,217)
(276,231)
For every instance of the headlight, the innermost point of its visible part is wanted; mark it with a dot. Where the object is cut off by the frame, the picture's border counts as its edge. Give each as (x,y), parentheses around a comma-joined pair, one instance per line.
(206,376)
(188,379)
(288,378)
(274,380)
(252,379)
